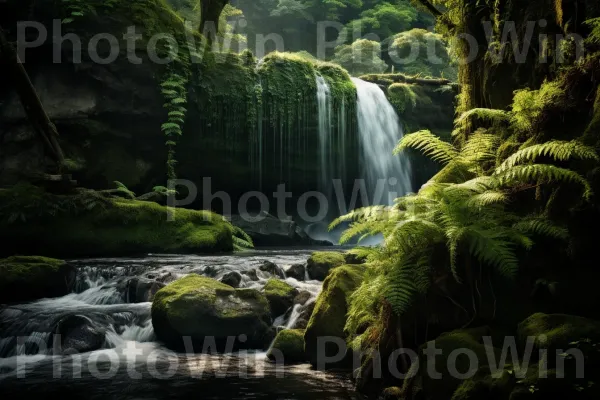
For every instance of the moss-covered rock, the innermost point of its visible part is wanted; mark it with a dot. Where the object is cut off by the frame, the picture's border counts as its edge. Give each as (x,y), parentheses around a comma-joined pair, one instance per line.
(329,315)
(321,262)
(558,330)
(280,296)
(290,342)
(484,385)
(33,221)
(428,386)
(31,278)
(201,308)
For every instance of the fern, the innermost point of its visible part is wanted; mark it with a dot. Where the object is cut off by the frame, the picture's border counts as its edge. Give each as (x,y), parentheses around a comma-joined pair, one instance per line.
(543,173)
(429,144)
(557,150)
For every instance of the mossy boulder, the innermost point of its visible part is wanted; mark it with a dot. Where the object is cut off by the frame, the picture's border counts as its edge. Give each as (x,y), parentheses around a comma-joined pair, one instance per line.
(86,223)
(31,278)
(280,296)
(331,307)
(422,385)
(290,342)
(201,308)
(558,330)
(484,385)
(321,262)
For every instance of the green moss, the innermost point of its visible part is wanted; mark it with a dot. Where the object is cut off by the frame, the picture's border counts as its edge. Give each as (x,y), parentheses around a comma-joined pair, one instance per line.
(201,307)
(87,224)
(321,262)
(22,268)
(483,386)
(28,278)
(190,289)
(278,288)
(291,344)
(280,296)
(331,307)
(402,97)
(558,329)
(444,388)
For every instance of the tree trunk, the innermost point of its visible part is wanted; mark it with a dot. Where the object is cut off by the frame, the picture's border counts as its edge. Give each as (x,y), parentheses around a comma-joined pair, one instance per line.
(210,12)
(30,100)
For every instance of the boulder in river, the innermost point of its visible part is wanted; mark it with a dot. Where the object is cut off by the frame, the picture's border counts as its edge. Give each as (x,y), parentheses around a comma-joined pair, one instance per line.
(79,334)
(201,308)
(280,296)
(321,262)
(296,271)
(232,279)
(288,347)
(32,278)
(252,274)
(272,268)
(142,290)
(331,308)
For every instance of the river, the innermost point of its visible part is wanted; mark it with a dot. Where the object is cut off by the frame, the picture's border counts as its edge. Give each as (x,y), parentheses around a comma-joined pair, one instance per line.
(130,363)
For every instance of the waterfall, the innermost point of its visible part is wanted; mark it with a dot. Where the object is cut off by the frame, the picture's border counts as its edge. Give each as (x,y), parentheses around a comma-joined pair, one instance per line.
(325,125)
(387,176)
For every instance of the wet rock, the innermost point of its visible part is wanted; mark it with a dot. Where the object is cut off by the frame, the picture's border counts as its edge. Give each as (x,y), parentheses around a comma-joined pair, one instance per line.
(302,297)
(321,262)
(79,334)
(198,307)
(232,279)
(252,274)
(288,347)
(142,290)
(272,268)
(296,271)
(210,270)
(331,309)
(305,314)
(32,278)
(280,296)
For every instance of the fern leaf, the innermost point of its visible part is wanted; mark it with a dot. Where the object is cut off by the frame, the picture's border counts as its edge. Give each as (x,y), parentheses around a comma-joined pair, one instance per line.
(431,145)
(557,150)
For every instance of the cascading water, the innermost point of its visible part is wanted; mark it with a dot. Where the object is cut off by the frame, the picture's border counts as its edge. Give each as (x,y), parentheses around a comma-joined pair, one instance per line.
(388,176)
(325,139)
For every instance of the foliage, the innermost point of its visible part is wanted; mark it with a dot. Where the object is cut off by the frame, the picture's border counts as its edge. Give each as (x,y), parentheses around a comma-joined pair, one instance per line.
(419,52)
(361,57)
(384,20)
(528,105)
(463,219)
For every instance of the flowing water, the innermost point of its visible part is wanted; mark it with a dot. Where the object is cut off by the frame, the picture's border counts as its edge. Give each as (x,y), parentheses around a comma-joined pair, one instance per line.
(325,135)
(131,363)
(379,131)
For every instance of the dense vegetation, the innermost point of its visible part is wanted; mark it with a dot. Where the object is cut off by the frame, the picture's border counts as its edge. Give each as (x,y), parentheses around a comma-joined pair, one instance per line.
(503,232)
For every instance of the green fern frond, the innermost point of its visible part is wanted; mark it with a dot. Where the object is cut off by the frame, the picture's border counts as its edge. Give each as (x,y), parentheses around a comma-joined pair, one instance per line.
(557,150)
(542,226)
(543,173)
(429,144)
(487,198)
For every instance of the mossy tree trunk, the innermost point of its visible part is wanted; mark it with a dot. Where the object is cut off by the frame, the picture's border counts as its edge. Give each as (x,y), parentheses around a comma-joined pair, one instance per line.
(210,12)
(30,99)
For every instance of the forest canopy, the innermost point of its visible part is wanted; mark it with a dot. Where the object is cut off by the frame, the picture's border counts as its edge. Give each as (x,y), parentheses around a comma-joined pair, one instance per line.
(293,26)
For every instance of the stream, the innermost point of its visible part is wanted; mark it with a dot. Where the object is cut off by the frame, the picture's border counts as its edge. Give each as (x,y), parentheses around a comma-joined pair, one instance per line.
(129,363)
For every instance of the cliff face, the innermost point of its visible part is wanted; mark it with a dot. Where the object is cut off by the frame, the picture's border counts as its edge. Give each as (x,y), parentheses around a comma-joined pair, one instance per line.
(245,124)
